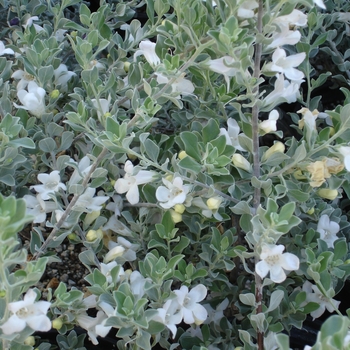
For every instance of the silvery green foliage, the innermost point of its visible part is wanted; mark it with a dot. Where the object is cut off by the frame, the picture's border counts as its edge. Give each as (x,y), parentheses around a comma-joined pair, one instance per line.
(150,145)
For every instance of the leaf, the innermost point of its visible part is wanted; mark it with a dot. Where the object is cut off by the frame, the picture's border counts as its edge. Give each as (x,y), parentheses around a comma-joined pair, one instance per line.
(190,164)
(247,299)
(190,141)
(47,145)
(275,300)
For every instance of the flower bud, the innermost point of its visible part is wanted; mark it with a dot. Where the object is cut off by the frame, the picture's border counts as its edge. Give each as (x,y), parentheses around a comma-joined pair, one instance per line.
(277,147)
(175,216)
(182,155)
(30,341)
(114,253)
(327,193)
(214,203)
(240,162)
(54,94)
(310,211)
(169,177)
(179,208)
(126,66)
(92,235)
(91,217)
(57,323)
(72,236)
(112,182)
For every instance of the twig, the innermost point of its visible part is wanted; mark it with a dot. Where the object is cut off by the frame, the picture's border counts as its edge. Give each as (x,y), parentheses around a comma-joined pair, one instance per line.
(70,207)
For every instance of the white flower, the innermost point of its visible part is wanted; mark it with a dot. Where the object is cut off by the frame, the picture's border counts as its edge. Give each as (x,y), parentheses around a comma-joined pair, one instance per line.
(181,86)
(313,294)
(309,118)
(328,230)
(222,66)
(283,64)
(67,223)
(117,226)
(32,100)
(38,208)
(51,183)
(170,315)
(319,3)
(83,169)
(284,91)
(62,76)
(148,49)
(137,284)
(174,193)
(193,312)
(273,261)
(27,312)
(4,51)
(106,271)
(271,123)
(88,203)
(296,19)
(345,152)
(24,77)
(246,10)
(94,325)
(102,105)
(130,182)
(231,134)
(122,250)
(30,22)
(114,252)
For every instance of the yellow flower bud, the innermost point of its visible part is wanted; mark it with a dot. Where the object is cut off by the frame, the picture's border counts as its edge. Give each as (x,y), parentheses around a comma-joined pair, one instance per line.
(182,155)
(310,211)
(327,193)
(106,115)
(214,203)
(126,66)
(131,156)
(331,132)
(169,177)
(30,341)
(175,216)
(240,162)
(277,147)
(92,235)
(57,323)
(54,94)
(74,34)
(91,217)
(179,208)
(112,182)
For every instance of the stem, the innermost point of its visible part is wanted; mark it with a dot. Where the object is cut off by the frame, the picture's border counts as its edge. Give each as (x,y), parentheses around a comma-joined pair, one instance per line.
(70,206)
(256,164)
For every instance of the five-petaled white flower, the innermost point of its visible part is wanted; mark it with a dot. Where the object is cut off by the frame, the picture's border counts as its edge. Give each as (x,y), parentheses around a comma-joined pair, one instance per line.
(4,51)
(309,118)
(283,64)
(275,262)
(94,325)
(148,49)
(51,183)
(30,22)
(130,182)
(345,152)
(223,66)
(284,91)
(32,100)
(328,230)
(231,134)
(88,203)
(107,268)
(170,315)
(27,312)
(122,251)
(24,77)
(181,86)
(192,311)
(313,294)
(62,76)
(37,207)
(175,192)
(271,123)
